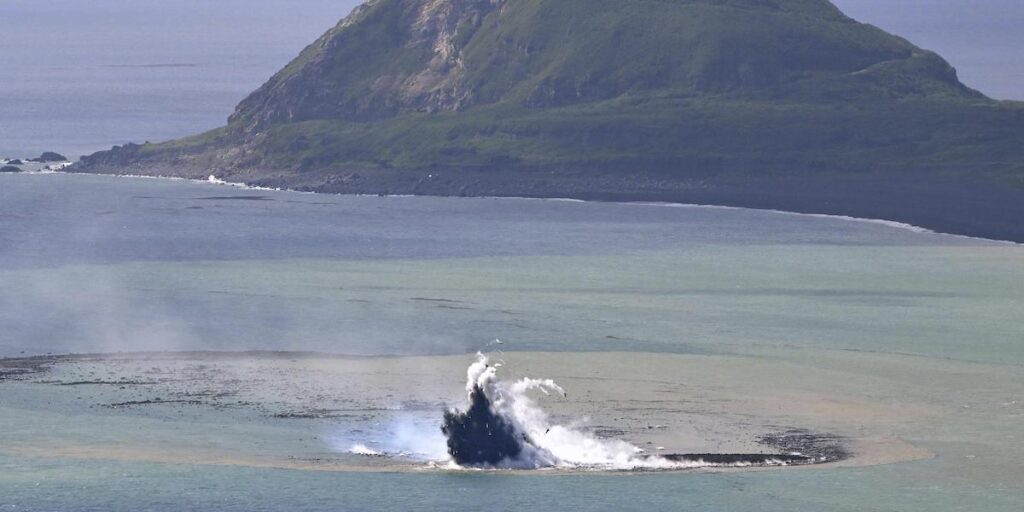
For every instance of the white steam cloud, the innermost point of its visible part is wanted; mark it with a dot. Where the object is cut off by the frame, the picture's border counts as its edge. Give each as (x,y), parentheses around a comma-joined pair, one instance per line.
(514,415)
(553,445)
(544,444)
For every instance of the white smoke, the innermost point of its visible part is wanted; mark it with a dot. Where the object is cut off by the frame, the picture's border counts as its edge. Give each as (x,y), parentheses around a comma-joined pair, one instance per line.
(417,438)
(403,435)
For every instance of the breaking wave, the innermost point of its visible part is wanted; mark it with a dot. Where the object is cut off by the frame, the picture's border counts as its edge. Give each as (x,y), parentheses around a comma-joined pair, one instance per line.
(362,449)
(214,180)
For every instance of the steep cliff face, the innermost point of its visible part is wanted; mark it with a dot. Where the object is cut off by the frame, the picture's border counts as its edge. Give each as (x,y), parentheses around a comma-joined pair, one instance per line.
(386,57)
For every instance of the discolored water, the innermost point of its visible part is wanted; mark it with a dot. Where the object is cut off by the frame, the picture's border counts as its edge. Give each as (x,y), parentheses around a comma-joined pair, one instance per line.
(919,334)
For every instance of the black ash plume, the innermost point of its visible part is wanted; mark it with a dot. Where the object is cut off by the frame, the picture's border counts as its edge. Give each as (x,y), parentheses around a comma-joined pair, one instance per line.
(479,436)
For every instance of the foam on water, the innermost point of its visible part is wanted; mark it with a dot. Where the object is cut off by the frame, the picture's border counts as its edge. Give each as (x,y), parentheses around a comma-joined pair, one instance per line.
(543,443)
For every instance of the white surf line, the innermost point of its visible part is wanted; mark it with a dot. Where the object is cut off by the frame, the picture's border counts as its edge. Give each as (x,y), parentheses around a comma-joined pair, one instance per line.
(846,218)
(882,222)
(213,180)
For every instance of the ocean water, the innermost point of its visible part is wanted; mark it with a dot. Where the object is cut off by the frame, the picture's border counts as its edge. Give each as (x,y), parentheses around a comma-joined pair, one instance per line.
(94,263)
(126,487)
(80,76)
(103,264)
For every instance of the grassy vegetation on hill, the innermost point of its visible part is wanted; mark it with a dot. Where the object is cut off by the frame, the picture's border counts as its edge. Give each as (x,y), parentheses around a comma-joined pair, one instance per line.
(628,95)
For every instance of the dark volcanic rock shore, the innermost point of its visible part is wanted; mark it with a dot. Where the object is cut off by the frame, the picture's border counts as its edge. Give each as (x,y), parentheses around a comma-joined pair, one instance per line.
(956,205)
(48,157)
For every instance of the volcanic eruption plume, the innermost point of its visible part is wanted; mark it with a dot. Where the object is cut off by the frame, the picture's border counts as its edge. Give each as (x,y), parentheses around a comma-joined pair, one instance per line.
(504,427)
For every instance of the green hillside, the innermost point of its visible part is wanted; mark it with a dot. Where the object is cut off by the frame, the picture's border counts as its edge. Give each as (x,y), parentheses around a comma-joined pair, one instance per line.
(601,98)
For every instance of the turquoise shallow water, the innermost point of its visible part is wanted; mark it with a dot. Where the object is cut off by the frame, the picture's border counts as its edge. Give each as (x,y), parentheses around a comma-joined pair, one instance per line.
(98,264)
(117,486)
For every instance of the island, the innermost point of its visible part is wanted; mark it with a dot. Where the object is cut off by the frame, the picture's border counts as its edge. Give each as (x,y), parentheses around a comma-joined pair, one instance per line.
(776,104)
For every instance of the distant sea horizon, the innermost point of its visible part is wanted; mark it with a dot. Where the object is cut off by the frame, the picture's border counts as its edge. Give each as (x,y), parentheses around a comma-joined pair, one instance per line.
(80,77)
